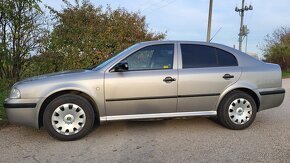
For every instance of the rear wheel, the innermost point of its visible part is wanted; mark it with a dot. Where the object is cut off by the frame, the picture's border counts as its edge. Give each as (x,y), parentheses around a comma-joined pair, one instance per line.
(69,117)
(237,110)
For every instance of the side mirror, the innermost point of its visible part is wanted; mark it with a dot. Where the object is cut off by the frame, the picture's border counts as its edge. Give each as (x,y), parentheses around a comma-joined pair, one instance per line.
(121,67)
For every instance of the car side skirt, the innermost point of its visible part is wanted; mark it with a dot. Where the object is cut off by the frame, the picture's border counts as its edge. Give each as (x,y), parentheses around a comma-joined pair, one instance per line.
(157,115)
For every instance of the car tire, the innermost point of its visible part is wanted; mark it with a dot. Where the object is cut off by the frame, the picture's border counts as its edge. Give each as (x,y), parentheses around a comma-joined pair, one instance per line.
(237,110)
(69,117)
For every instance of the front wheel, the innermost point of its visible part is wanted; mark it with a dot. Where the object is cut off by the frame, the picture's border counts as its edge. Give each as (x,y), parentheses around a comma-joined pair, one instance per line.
(69,117)
(237,110)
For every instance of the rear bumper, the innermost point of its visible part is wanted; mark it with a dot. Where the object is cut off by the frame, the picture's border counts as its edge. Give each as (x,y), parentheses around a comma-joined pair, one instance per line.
(271,98)
(22,111)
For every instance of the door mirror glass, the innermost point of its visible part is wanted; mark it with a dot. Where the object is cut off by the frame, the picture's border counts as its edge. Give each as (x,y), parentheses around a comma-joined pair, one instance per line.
(121,67)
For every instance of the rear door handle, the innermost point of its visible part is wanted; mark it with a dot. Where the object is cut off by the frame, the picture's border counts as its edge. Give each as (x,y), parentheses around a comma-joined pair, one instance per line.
(228,76)
(169,79)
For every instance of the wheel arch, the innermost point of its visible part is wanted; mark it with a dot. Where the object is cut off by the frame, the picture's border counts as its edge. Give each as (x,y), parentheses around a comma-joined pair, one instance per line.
(247,90)
(54,95)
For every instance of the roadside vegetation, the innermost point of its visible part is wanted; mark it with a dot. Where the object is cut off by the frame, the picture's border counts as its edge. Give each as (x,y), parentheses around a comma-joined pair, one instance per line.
(277,49)
(3,95)
(286,74)
(4,90)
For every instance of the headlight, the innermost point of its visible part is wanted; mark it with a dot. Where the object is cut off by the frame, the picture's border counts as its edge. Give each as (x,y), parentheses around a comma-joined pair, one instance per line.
(15,93)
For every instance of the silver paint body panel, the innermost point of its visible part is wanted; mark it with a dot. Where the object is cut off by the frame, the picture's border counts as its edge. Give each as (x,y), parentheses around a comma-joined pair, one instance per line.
(193,81)
(143,94)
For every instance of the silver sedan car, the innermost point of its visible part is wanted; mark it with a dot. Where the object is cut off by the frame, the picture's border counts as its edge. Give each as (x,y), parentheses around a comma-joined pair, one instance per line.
(157,79)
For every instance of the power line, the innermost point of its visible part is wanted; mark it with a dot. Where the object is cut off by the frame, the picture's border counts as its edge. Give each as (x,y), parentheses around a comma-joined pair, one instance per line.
(160,7)
(152,5)
(169,3)
(143,3)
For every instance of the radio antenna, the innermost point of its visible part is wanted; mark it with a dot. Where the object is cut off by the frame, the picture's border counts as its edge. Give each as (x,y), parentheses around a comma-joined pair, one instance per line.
(215,34)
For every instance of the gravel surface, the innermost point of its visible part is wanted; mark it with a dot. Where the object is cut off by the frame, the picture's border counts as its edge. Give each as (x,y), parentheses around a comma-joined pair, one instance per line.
(176,140)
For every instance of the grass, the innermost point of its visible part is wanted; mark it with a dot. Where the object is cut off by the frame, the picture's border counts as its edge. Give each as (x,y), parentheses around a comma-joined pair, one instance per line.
(286,74)
(3,95)
(4,91)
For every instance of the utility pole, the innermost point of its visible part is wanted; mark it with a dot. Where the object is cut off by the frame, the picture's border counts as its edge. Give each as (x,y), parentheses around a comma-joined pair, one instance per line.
(209,21)
(243,29)
(246,32)
(246,48)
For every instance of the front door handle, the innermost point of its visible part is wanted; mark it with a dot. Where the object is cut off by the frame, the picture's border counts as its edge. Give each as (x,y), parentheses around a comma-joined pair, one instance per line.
(169,79)
(228,76)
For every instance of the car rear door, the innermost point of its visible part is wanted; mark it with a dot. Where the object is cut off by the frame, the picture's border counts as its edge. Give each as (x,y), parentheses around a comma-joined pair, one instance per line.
(148,87)
(204,73)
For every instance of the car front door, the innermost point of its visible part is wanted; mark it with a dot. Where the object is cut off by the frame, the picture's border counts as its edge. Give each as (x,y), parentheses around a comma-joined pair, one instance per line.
(205,72)
(148,87)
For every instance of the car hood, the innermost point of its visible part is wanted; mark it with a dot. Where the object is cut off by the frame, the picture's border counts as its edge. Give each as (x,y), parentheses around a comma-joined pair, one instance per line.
(63,74)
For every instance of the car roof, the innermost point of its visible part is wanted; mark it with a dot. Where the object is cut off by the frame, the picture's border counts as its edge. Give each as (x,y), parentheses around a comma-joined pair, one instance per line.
(243,58)
(182,41)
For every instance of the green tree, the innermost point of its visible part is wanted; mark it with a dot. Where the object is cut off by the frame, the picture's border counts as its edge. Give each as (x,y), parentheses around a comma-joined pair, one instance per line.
(84,35)
(277,48)
(21,32)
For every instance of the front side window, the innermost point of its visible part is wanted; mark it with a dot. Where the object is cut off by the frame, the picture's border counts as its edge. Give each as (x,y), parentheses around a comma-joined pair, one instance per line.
(199,56)
(154,57)
(109,60)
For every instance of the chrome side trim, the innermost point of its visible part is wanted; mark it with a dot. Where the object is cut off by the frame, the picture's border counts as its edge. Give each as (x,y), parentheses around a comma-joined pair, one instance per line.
(103,119)
(158,115)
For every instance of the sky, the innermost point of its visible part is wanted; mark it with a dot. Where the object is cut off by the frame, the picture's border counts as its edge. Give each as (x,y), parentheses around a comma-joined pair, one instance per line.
(187,19)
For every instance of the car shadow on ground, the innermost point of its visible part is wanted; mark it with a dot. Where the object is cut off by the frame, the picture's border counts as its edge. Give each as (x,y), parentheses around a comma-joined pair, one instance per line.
(170,125)
(136,126)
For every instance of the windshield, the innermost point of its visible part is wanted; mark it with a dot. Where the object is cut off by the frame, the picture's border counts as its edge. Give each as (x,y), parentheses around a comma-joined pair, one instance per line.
(109,60)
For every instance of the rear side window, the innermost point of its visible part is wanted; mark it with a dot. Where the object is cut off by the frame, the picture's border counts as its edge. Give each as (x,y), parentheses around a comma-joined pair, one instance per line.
(225,59)
(199,56)
(194,56)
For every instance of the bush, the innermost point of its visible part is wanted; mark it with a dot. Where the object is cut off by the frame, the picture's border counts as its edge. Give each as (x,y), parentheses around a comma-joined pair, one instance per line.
(4,91)
(277,48)
(279,54)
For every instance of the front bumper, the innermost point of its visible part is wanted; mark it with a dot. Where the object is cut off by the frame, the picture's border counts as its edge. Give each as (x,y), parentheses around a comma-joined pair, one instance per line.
(22,111)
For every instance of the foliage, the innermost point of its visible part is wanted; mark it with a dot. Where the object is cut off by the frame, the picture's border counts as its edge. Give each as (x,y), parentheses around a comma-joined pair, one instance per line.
(286,74)
(85,35)
(277,49)
(4,90)
(21,32)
